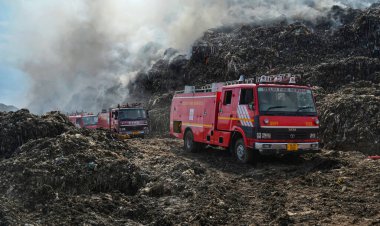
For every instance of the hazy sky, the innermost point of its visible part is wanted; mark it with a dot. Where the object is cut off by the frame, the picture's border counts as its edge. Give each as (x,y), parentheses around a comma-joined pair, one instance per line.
(13,82)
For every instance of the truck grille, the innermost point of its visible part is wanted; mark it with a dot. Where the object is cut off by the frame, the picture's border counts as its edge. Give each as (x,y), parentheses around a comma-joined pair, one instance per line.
(132,128)
(286,134)
(290,135)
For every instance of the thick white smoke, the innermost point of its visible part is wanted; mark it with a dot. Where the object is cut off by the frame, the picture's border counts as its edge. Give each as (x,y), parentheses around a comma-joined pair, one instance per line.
(81,53)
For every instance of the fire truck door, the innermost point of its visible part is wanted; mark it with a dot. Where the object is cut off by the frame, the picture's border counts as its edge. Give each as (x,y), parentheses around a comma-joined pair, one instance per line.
(226,109)
(114,120)
(79,123)
(245,111)
(209,108)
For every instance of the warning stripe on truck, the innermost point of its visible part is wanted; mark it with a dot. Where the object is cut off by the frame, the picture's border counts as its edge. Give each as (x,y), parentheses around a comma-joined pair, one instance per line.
(197,125)
(243,113)
(193,97)
(236,119)
(243,117)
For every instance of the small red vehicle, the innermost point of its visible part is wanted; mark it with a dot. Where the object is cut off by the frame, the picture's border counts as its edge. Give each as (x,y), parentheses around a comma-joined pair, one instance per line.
(130,120)
(267,115)
(88,121)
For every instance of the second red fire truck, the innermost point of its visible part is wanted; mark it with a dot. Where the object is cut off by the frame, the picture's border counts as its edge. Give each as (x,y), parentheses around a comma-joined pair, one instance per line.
(267,115)
(83,120)
(128,120)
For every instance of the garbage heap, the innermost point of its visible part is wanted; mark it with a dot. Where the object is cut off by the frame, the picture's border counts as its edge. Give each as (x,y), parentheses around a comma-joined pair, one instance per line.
(17,128)
(321,46)
(351,118)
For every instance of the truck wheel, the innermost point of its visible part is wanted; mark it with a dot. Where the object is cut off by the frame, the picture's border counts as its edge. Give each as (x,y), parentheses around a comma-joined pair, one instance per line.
(188,142)
(243,154)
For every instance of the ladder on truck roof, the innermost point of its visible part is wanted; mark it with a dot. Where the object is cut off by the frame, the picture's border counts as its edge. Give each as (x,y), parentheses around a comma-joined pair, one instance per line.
(214,87)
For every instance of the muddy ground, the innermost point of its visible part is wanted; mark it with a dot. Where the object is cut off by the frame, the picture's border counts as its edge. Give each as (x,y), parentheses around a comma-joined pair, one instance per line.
(212,188)
(153,182)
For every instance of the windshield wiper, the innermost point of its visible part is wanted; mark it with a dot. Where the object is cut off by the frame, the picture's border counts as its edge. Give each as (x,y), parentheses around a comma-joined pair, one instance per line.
(273,107)
(303,108)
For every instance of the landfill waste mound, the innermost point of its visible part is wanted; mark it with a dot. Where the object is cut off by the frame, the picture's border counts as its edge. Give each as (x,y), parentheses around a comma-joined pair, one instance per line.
(4,107)
(85,177)
(351,118)
(319,49)
(159,114)
(333,51)
(56,177)
(16,128)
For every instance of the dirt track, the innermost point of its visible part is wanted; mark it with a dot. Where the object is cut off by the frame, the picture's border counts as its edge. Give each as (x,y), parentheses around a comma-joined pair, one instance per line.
(211,188)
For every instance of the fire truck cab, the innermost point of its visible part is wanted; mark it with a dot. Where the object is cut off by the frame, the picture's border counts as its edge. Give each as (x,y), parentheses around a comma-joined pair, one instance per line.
(267,115)
(89,121)
(130,120)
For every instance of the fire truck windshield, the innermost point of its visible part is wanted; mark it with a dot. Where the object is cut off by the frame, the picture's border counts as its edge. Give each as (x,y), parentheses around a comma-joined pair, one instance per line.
(286,101)
(132,114)
(90,120)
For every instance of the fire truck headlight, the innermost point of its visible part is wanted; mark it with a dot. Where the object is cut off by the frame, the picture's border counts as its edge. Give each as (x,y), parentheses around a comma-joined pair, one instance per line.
(313,135)
(258,135)
(265,135)
(315,146)
(316,121)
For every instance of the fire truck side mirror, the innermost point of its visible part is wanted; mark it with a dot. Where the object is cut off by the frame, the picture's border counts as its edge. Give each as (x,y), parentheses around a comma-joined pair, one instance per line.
(114,114)
(251,106)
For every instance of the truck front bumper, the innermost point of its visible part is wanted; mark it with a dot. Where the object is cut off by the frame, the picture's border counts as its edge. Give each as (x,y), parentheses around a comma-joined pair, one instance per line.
(131,134)
(282,148)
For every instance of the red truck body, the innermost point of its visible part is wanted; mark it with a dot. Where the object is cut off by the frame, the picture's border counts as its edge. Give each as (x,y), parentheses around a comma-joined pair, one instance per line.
(125,120)
(268,118)
(88,121)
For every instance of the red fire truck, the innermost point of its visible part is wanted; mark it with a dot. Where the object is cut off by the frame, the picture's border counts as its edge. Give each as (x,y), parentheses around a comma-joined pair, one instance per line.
(130,120)
(89,121)
(266,114)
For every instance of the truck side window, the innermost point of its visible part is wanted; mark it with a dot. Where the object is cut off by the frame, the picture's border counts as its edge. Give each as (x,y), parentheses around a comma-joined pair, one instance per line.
(246,96)
(115,114)
(227,97)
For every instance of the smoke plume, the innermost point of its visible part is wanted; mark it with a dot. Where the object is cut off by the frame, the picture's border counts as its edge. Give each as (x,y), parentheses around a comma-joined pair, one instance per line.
(81,54)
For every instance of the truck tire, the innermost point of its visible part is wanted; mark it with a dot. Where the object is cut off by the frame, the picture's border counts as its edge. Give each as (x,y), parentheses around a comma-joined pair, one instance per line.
(242,153)
(189,145)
